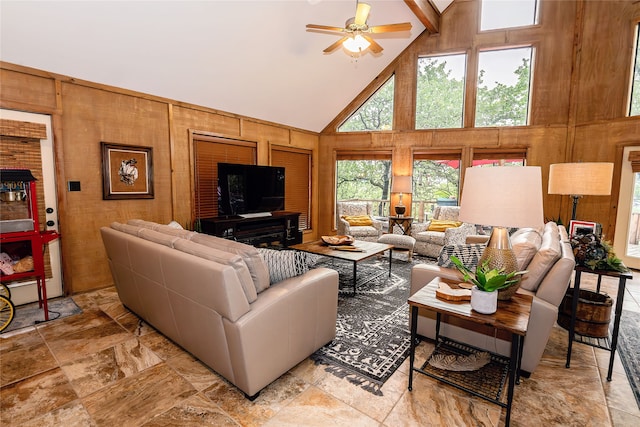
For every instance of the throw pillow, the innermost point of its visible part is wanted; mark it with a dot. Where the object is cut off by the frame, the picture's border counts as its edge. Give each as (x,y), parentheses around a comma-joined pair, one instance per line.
(443,224)
(469,255)
(358,220)
(284,264)
(543,260)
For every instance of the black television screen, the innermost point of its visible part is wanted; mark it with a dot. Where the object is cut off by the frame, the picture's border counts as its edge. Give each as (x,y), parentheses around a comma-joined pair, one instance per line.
(247,189)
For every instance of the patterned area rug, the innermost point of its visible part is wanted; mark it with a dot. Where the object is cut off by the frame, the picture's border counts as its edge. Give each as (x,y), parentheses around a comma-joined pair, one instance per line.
(30,314)
(628,349)
(372,335)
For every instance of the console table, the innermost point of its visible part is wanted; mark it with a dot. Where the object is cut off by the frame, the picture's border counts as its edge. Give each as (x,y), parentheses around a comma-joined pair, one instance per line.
(280,227)
(511,316)
(603,343)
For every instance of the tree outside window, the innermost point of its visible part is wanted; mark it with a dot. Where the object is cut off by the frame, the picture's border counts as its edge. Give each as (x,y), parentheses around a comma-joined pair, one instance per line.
(440,92)
(364,180)
(634,108)
(503,87)
(375,114)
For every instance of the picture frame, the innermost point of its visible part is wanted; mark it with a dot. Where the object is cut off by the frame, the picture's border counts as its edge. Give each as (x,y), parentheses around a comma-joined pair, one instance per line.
(584,227)
(127,172)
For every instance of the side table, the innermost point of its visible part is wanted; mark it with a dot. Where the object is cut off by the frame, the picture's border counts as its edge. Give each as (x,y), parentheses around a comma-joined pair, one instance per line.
(605,344)
(403,222)
(512,316)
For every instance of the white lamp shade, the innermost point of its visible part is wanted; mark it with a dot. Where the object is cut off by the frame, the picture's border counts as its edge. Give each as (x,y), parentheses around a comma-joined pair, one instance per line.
(580,179)
(502,196)
(401,184)
(356,44)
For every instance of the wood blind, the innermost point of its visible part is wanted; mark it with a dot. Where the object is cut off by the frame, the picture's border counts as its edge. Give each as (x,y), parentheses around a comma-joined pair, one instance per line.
(208,152)
(297,173)
(506,154)
(634,158)
(437,155)
(363,155)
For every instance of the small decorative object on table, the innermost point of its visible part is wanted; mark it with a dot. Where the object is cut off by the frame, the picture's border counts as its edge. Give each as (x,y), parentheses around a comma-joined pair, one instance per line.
(487,282)
(592,252)
(338,240)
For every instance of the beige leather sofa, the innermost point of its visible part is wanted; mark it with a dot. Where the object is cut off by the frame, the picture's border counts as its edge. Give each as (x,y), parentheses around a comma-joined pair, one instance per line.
(548,257)
(214,298)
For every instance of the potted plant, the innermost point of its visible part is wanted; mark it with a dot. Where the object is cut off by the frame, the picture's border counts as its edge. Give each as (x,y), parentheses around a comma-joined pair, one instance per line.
(486,283)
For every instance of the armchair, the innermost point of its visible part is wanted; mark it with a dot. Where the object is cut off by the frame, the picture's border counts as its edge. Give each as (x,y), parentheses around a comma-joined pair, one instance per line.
(370,232)
(430,242)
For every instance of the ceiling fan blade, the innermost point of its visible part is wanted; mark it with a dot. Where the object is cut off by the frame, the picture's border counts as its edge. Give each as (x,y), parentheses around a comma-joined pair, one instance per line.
(324,27)
(362,13)
(374,47)
(335,45)
(405,26)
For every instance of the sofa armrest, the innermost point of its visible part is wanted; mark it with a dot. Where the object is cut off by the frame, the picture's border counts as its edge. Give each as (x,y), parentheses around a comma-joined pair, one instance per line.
(541,321)
(458,235)
(343,227)
(286,324)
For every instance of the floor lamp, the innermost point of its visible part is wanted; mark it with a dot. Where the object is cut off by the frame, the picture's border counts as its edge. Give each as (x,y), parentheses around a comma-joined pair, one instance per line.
(580,179)
(502,196)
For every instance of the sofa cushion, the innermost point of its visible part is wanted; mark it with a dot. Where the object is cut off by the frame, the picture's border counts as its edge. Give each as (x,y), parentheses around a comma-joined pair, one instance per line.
(142,223)
(250,255)
(126,228)
(433,237)
(225,258)
(443,224)
(358,220)
(157,237)
(525,243)
(544,259)
(284,264)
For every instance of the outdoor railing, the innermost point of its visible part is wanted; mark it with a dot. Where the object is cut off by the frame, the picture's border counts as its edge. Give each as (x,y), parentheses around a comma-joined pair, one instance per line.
(421,210)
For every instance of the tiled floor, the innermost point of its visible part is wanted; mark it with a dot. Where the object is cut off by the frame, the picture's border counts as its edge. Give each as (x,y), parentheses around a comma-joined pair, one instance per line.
(105,368)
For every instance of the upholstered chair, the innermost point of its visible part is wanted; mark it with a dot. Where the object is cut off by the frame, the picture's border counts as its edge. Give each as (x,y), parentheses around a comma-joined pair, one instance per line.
(355,219)
(443,229)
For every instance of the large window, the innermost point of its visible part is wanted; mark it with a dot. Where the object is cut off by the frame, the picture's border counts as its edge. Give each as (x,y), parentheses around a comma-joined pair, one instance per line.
(436,180)
(503,87)
(634,105)
(440,91)
(364,176)
(375,114)
(297,183)
(496,14)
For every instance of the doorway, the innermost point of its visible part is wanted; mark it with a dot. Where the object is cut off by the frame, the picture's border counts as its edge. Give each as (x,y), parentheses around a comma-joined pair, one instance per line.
(24,292)
(627,235)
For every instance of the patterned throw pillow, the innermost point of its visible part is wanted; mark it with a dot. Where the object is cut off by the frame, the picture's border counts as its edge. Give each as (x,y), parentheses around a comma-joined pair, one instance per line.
(469,255)
(284,264)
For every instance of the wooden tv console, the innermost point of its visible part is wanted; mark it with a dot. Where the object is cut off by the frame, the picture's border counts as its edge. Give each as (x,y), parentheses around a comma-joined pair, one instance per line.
(279,229)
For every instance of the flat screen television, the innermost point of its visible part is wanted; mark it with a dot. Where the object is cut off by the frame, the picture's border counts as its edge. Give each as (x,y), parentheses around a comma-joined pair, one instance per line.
(249,189)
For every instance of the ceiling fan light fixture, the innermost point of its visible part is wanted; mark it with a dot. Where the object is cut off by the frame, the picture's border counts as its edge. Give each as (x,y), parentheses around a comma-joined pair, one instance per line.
(356,44)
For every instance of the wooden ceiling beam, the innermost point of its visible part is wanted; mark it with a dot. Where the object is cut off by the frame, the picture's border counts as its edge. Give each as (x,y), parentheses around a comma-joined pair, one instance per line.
(426,13)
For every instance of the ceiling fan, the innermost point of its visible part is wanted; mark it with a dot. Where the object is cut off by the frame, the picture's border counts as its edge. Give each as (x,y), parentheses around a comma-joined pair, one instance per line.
(356,30)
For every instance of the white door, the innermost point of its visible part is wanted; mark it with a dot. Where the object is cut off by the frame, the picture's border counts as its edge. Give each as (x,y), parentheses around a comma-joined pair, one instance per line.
(627,236)
(25,292)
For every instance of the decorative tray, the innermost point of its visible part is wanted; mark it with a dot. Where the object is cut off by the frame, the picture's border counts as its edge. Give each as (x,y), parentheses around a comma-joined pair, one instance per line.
(338,240)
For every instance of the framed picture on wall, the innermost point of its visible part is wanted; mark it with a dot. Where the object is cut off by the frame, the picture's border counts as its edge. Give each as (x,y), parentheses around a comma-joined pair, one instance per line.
(127,172)
(584,227)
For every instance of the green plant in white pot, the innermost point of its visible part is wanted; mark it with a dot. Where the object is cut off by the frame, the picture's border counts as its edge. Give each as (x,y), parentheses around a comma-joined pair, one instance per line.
(487,281)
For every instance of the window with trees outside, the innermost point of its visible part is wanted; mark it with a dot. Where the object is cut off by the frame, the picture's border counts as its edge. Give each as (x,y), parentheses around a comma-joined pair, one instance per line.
(488,158)
(364,176)
(503,87)
(495,14)
(436,180)
(440,91)
(375,114)
(634,105)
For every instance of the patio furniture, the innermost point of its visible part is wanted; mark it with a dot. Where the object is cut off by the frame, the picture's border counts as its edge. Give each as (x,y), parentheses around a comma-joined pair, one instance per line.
(355,219)
(443,229)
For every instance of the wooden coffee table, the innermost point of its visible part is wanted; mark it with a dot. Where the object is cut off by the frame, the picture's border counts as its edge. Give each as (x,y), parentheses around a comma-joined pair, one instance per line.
(368,250)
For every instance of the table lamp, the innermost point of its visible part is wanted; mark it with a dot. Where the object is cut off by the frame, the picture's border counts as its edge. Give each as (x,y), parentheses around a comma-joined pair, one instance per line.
(580,179)
(401,184)
(502,196)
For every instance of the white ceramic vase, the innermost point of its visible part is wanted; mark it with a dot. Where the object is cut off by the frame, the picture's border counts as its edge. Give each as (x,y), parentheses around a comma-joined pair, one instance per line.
(484,302)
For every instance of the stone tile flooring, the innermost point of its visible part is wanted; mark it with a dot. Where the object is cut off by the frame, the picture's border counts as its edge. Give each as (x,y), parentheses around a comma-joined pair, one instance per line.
(105,367)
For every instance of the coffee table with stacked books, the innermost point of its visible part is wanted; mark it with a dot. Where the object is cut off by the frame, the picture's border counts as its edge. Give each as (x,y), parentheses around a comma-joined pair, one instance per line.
(358,251)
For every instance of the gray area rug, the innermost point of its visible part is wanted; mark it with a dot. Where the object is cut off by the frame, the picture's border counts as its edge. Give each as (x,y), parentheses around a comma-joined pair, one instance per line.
(629,349)
(372,334)
(30,314)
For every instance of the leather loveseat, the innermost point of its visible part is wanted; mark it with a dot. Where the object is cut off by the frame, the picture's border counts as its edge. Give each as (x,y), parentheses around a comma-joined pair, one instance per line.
(548,257)
(216,299)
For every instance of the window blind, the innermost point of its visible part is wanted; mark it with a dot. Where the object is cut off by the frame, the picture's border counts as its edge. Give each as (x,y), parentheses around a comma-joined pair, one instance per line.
(297,164)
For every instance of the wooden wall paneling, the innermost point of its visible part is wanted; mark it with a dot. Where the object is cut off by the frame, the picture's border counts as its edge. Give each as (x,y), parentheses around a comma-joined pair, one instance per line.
(458,25)
(91,116)
(604,80)
(22,90)
(404,104)
(264,134)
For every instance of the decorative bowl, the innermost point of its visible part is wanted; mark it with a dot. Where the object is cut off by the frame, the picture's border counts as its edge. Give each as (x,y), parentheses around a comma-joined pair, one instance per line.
(338,240)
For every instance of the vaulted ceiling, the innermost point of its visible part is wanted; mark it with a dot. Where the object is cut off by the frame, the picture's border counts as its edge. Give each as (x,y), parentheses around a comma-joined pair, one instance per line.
(253,58)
